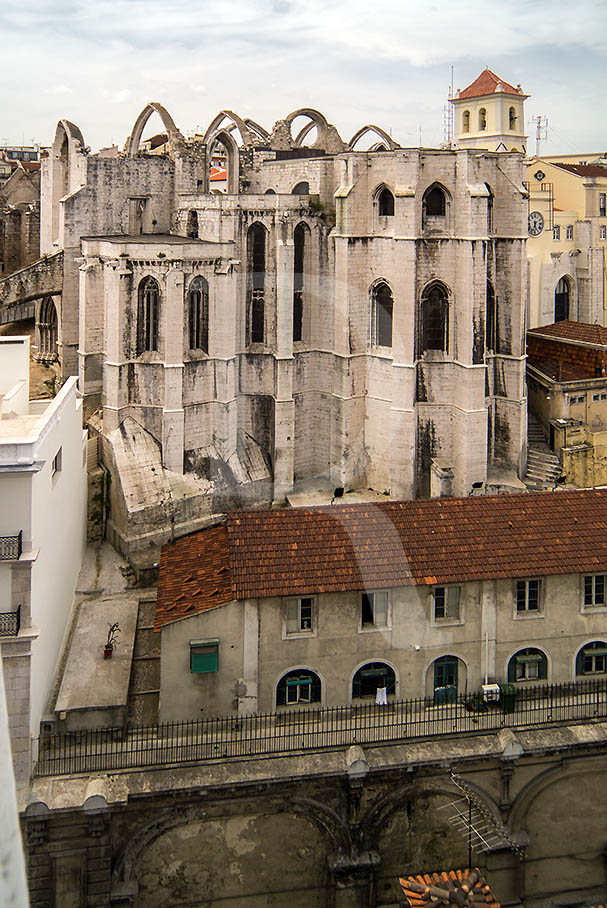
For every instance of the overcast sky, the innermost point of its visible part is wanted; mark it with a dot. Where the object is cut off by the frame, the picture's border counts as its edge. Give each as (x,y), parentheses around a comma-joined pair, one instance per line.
(98,62)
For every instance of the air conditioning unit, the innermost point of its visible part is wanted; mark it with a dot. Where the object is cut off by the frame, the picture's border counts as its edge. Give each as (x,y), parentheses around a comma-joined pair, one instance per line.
(491,693)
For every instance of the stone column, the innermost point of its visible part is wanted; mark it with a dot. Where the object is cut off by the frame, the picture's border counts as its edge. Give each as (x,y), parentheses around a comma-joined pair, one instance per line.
(488,629)
(117,292)
(284,406)
(248,701)
(173,417)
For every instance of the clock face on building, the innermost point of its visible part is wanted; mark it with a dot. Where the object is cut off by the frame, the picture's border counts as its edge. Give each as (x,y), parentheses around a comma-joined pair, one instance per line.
(535,224)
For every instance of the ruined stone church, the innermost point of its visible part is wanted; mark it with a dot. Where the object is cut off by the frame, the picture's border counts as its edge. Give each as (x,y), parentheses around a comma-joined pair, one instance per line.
(337,317)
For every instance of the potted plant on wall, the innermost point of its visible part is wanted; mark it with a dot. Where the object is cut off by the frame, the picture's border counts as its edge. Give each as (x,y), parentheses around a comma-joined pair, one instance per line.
(112,640)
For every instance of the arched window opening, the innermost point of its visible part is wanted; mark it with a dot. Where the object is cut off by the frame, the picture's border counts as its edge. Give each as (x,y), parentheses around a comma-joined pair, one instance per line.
(385,203)
(256,254)
(198,314)
(299,241)
(434,204)
(299,686)
(445,679)
(147,315)
(528,665)
(372,677)
(490,200)
(270,192)
(435,319)
(382,314)
(592,659)
(466,121)
(47,328)
(222,164)
(192,227)
(561,300)
(512,118)
(302,188)
(482,119)
(491,319)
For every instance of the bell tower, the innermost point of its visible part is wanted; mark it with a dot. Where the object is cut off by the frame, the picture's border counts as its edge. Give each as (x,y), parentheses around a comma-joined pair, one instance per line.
(490,113)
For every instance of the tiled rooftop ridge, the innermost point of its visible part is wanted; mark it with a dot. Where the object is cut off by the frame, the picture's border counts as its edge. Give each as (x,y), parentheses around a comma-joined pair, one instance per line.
(299,551)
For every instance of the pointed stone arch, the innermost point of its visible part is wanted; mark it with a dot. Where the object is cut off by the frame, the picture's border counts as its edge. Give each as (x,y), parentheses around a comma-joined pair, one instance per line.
(134,140)
(225,138)
(246,135)
(386,140)
(327,137)
(66,169)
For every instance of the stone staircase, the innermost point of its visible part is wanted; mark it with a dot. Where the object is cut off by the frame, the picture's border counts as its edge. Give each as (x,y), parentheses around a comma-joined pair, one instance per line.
(543,467)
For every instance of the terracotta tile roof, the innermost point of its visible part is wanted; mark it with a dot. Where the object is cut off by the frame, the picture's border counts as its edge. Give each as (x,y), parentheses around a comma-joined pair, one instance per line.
(194,575)
(461,888)
(576,331)
(297,551)
(486,84)
(561,371)
(583,170)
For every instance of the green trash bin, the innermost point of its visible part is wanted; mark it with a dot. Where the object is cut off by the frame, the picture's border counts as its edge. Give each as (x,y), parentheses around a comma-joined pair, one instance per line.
(507,697)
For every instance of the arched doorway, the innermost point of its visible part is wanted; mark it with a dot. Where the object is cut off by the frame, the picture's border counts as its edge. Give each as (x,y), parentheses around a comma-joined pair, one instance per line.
(561,300)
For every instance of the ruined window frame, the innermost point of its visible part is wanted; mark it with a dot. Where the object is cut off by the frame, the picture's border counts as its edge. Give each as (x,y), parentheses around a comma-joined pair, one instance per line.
(257,250)
(198,314)
(301,251)
(382,314)
(386,202)
(148,315)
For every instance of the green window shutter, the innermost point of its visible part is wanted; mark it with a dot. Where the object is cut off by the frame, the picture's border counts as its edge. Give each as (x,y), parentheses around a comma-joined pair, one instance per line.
(204,657)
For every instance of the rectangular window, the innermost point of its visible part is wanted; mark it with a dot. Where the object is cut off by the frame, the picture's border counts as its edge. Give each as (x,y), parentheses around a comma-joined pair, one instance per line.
(594,590)
(56,465)
(300,615)
(446,602)
(603,232)
(602,204)
(556,233)
(596,396)
(374,609)
(204,656)
(528,668)
(594,661)
(528,595)
(569,232)
(299,690)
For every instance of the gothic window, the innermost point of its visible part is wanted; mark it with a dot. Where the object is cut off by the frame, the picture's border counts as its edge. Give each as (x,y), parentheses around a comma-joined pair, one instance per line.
(198,314)
(434,202)
(490,201)
(47,328)
(561,300)
(435,319)
(482,119)
(385,203)
(512,118)
(192,227)
(491,319)
(299,242)
(147,315)
(256,257)
(302,188)
(382,314)
(466,121)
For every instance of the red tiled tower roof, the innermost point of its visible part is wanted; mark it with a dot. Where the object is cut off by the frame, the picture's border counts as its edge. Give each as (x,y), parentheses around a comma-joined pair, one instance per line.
(488,84)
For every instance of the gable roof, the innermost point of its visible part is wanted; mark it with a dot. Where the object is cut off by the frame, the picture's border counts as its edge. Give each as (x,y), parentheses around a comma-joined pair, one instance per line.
(465,888)
(580,332)
(582,170)
(300,551)
(488,83)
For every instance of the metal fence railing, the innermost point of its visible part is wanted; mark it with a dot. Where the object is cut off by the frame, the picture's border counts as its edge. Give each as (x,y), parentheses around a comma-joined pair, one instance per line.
(288,730)
(10,622)
(10,547)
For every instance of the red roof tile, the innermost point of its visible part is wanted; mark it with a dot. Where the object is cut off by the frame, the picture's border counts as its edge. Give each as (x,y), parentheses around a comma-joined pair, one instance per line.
(561,371)
(582,332)
(583,170)
(465,888)
(295,551)
(486,84)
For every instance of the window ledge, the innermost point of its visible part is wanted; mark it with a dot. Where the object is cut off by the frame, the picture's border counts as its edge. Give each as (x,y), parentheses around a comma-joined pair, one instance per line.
(525,616)
(299,635)
(372,628)
(594,609)
(447,622)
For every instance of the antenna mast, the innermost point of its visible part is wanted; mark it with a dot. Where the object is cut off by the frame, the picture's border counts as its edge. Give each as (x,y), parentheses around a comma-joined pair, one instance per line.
(541,131)
(448,116)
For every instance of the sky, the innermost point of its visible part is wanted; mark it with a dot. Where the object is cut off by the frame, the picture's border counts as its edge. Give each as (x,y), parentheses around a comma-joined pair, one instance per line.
(387,62)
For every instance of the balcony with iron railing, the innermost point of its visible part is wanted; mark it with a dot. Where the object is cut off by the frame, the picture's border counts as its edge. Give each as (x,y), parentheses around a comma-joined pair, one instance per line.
(11,547)
(10,622)
(287,731)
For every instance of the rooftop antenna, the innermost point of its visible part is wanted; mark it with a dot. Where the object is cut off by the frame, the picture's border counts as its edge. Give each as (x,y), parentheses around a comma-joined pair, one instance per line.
(448,124)
(541,131)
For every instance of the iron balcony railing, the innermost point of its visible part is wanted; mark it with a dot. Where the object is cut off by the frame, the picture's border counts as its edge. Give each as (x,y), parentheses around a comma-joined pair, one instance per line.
(10,622)
(231,737)
(10,547)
